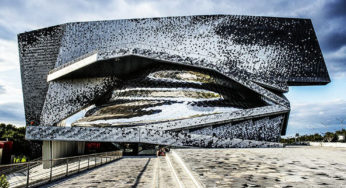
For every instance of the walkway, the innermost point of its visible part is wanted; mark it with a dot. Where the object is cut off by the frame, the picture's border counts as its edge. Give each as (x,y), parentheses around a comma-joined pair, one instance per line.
(132,172)
(39,175)
(260,167)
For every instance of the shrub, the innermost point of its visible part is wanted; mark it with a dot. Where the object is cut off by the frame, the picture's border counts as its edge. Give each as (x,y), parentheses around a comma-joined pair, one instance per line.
(23,159)
(20,159)
(3,182)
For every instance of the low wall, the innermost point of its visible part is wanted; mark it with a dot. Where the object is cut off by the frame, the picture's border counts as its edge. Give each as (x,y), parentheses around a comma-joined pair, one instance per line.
(328,144)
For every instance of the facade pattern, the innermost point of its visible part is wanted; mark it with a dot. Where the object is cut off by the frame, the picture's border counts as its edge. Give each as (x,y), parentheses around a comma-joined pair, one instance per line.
(199,81)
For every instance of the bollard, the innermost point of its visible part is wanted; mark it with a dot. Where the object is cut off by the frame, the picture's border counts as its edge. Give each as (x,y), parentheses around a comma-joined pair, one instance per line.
(78,164)
(88,161)
(51,161)
(51,169)
(27,174)
(66,167)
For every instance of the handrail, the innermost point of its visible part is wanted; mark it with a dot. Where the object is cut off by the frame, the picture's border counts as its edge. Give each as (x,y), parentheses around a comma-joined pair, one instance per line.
(36,174)
(55,159)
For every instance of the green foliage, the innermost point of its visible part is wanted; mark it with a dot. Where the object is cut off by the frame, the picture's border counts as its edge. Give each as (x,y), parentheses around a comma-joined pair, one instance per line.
(21,147)
(341,132)
(11,132)
(328,137)
(3,182)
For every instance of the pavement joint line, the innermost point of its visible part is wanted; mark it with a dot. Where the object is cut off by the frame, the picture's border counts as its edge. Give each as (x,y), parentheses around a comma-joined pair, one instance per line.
(155,179)
(174,173)
(159,172)
(176,156)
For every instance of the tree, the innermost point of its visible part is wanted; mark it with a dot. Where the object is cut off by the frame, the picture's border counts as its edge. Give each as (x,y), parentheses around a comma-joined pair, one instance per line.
(329,136)
(21,147)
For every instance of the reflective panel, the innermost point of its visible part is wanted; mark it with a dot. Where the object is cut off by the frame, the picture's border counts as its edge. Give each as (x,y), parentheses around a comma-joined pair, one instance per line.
(169,92)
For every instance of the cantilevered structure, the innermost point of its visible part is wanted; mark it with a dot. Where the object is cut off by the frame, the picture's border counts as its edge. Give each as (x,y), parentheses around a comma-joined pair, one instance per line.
(201,81)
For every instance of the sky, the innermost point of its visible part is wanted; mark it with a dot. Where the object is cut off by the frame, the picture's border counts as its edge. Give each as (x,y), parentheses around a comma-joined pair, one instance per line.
(314,109)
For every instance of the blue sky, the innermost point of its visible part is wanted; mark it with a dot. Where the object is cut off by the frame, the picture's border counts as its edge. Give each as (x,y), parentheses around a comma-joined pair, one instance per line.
(314,108)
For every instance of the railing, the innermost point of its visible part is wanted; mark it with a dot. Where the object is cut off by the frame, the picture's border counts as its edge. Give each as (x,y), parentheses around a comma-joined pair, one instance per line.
(35,173)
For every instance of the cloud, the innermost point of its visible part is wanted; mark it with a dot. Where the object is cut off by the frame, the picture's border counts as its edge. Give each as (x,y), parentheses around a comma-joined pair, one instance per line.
(10,82)
(317,117)
(12,113)
(338,57)
(335,9)
(6,34)
(2,89)
(8,55)
(335,39)
(23,15)
(328,16)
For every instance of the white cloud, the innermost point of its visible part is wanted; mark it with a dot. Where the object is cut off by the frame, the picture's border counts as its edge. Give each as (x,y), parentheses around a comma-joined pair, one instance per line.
(8,55)
(339,54)
(317,117)
(12,113)
(2,89)
(9,72)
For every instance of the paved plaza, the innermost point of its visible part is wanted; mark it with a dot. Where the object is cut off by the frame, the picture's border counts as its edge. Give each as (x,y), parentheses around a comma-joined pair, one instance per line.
(260,167)
(268,167)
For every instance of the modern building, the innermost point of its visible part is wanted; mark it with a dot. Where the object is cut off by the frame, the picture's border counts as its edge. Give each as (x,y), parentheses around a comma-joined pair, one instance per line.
(199,81)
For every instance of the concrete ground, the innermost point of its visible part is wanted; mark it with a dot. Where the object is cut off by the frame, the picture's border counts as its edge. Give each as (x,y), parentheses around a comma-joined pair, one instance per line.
(258,167)
(268,167)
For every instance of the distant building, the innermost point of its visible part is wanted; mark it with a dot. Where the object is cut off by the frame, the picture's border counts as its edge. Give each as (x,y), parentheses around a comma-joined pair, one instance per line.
(5,152)
(201,81)
(341,137)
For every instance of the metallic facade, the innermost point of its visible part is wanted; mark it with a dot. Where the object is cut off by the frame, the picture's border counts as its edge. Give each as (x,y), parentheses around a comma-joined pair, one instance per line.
(204,81)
